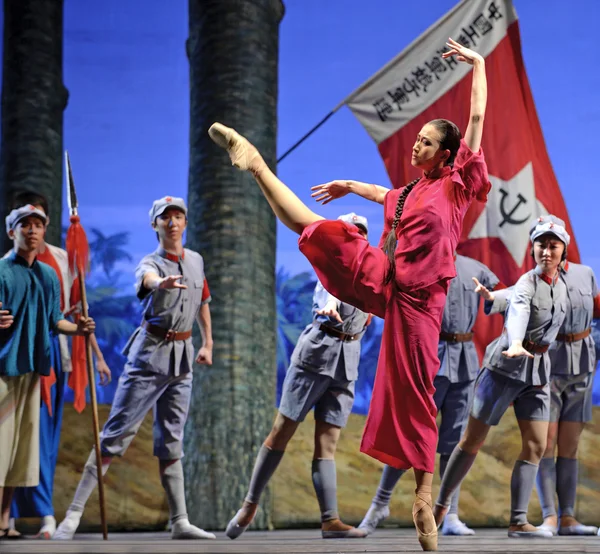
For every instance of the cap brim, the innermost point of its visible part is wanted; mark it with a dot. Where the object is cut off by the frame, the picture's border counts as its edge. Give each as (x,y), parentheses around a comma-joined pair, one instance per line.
(44,219)
(361,226)
(173,206)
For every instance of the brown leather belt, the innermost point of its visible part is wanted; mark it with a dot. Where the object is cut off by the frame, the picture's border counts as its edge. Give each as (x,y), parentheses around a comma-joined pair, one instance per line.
(166,334)
(534,347)
(456,337)
(338,334)
(574,337)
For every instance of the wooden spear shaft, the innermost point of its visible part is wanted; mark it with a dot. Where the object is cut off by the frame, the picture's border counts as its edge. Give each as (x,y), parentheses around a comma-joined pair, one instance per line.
(92,383)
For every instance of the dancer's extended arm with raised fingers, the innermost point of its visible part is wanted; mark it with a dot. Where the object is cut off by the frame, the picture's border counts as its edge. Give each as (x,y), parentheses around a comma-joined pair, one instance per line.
(474,130)
(333,190)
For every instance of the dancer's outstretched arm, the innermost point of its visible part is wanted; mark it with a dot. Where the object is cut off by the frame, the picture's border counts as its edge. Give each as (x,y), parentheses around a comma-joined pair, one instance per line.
(474,130)
(336,189)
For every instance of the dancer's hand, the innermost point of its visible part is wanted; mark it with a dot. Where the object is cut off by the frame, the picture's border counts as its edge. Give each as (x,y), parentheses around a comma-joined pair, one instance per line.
(6,319)
(462,53)
(104,372)
(171,282)
(330,191)
(330,310)
(516,350)
(204,356)
(483,291)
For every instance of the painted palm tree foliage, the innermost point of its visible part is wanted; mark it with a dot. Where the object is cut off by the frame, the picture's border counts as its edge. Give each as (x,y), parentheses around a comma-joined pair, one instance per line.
(294,312)
(108,250)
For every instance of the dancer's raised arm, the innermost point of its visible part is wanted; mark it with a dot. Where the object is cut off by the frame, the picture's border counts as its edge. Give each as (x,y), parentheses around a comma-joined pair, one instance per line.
(474,130)
(336,189)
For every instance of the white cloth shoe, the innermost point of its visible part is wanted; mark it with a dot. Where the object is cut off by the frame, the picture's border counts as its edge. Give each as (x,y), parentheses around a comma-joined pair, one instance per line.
(374,516)
(68,526)
(537,534)
(453,526)
(578,529)
(547,527)
(48,528)
(182,529)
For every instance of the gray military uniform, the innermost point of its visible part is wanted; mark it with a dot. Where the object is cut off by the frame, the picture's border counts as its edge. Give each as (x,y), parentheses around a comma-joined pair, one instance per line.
(572,362)
(158,372)
(536,311)
(459,363)
(324,368)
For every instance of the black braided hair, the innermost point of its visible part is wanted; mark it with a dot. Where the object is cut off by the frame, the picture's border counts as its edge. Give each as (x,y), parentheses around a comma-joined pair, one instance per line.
(389,246)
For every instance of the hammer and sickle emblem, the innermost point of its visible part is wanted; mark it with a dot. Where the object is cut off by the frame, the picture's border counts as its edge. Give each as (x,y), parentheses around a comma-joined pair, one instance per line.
(507,216)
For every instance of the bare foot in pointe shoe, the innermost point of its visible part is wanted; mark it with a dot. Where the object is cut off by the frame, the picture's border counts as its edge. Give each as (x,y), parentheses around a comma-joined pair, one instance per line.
(425,523)
(243,154)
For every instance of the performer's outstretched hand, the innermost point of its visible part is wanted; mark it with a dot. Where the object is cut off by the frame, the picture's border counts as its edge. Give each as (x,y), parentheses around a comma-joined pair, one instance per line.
(330,191)
(462,53)
(6,319)
(204,356)
(483,291)
(516,350)
(104,372)
(171,282)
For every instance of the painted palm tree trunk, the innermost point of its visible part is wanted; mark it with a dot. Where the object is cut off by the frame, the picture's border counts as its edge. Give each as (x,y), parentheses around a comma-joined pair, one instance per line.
(33,100)
(233,54)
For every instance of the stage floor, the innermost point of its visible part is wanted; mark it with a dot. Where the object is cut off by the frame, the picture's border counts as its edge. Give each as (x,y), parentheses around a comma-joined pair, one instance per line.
(300,541)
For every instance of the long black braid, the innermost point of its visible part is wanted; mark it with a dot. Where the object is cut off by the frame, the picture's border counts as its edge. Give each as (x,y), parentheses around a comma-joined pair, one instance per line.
(389,246)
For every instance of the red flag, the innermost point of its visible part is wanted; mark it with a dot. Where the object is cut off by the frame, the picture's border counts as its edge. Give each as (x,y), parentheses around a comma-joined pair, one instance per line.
(418,86)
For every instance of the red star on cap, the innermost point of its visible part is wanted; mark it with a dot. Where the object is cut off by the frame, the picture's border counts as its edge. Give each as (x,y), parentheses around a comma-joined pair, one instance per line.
(354,218)
(32,208)
(551,225)
(168,199)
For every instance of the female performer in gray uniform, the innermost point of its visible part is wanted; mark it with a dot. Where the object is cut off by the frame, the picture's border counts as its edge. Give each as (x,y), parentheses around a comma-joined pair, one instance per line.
(516,369)
(322,374)
(573,361)
(171,284)
(454,384)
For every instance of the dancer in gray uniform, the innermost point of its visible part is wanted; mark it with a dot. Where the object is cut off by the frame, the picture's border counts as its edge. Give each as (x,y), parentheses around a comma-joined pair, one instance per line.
(573,361)
(322,374)
(516,369)
(454,385)
(173,290)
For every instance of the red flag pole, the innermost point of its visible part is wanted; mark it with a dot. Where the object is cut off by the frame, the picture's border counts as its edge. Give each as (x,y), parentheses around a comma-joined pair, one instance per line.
(78,253)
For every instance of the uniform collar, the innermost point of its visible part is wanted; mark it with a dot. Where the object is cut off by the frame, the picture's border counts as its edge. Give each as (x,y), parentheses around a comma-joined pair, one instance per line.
(566,266)
(551,281)
(171,257)
(20,260)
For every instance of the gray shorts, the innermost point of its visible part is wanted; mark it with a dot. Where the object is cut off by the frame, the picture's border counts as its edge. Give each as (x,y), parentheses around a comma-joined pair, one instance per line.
(571,397)
(331,398)
(494,393)
(138,392)
(453,401)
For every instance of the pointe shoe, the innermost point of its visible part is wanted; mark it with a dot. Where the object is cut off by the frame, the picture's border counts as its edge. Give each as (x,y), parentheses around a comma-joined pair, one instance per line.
(374,517)
(336,529)
(241,152)
(428,541)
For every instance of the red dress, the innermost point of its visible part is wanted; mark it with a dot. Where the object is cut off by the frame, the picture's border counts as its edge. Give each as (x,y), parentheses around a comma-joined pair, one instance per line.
(401,430)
